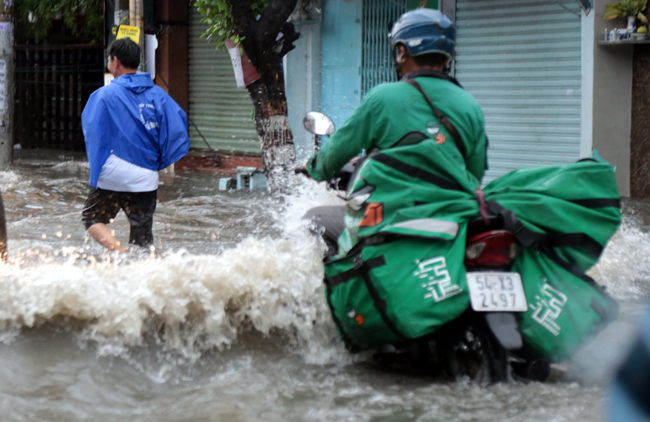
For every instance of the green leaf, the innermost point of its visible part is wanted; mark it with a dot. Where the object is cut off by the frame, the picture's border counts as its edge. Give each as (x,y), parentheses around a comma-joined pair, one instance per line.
(624,8)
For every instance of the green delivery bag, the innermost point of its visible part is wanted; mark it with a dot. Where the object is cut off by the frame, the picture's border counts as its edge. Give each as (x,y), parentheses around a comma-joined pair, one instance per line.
(565,307)
(562,216)
(394,288)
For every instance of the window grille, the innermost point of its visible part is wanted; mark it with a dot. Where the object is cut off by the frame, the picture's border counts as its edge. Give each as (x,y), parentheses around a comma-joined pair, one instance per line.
(377,61)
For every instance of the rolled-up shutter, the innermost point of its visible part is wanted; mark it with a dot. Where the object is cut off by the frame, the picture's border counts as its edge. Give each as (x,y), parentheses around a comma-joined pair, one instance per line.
(521,59)
(222,112)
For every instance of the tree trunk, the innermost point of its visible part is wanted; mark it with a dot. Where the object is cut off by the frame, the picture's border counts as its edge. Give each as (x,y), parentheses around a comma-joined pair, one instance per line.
(267,38)
(272,123)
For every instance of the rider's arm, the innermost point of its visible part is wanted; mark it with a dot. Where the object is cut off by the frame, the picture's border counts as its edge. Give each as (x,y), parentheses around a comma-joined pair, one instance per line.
(476,162)
(355,134)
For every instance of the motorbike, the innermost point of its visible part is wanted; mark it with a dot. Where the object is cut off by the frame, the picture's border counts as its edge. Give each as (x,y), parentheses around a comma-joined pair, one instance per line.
(484,342)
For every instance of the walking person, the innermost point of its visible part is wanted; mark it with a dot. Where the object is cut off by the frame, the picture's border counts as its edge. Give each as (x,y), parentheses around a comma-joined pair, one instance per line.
(132,129)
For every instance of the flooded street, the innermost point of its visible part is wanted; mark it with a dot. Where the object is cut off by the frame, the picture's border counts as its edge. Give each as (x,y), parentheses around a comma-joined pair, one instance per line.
(225,318)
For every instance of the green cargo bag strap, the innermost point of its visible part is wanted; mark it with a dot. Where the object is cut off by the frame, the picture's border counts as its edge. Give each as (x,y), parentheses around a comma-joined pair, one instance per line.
(413,171)
(441,118)
(361,269)
(528,237)
(411,138)
(598,202)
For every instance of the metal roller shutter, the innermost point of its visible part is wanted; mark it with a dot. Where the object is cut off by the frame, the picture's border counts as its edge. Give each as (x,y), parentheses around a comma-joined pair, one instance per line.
(377,60)
(521,59)
(220,109)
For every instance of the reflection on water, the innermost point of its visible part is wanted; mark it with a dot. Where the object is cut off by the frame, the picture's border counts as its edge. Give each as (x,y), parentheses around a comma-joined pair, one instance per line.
(225,319)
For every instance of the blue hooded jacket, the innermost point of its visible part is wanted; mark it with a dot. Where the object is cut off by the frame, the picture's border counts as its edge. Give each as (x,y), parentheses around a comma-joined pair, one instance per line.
(135,120)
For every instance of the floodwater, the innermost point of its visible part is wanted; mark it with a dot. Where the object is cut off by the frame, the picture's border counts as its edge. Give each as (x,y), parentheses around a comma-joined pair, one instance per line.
(225,319)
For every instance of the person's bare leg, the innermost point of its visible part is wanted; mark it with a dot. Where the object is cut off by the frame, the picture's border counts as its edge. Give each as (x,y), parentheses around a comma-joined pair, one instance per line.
(104,237)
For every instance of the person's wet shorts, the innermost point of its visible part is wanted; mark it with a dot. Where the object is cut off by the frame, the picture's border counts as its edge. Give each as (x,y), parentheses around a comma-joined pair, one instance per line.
(103,205)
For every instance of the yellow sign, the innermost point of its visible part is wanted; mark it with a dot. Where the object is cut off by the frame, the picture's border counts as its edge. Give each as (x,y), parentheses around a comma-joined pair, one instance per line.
(132,32)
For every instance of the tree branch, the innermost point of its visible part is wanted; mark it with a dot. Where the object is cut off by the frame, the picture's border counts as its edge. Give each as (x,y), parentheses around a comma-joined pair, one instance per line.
(245,23)
(242,16)
(290,35)
(274,17)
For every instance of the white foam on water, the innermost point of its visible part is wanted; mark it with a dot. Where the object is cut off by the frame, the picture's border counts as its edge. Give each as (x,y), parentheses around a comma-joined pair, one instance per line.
(72,165)
(193,302)
(624,267)
(188,303)
(307,194)
(10,179)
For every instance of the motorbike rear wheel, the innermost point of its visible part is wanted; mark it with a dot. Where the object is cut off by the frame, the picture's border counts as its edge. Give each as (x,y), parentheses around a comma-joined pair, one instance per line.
(465,347)
(495,358)
(468,348)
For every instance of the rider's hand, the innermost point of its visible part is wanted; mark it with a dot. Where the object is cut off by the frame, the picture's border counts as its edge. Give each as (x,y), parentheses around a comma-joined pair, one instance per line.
(303,170)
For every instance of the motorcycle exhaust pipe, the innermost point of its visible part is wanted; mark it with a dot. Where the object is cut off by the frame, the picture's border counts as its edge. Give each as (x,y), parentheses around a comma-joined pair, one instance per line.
(534,370)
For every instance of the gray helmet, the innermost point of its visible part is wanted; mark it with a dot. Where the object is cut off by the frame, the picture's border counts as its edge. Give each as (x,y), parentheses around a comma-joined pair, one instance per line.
(424,31)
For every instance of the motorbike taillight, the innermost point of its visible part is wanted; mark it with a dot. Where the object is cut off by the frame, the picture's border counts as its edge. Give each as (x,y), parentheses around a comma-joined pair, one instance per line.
(492,249)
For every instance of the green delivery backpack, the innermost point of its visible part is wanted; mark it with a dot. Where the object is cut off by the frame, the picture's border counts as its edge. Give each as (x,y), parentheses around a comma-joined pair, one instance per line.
(565,306)
(399,274)
(397,287)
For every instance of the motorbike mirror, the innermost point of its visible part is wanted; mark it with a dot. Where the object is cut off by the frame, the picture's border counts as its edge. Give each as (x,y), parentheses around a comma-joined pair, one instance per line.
(318,123)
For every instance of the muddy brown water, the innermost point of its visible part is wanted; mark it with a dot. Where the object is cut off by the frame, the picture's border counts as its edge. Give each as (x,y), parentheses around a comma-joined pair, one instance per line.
(225,319)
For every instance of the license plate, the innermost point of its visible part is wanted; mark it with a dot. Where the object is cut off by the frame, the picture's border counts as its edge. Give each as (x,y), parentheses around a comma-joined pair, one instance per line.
(496,292)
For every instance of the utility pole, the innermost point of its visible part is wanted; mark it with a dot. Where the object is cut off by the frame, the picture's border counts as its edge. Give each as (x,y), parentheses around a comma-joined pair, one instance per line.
(121,12)
(135,19)
(6,80)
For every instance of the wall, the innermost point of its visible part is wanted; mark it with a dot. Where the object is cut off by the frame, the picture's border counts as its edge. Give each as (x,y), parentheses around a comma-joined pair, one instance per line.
(640,144)
(612,98)
(448,7)
(302,76)
(341,53)
(172,60)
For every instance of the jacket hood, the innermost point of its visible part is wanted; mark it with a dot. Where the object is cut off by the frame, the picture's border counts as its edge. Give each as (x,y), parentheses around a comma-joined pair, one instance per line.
(136,82)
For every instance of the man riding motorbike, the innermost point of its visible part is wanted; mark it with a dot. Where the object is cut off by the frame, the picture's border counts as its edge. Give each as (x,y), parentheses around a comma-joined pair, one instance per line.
(426,100)
(431,268)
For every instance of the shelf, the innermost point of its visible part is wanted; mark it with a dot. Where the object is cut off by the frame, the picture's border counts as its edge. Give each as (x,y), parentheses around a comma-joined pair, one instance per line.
(624,42)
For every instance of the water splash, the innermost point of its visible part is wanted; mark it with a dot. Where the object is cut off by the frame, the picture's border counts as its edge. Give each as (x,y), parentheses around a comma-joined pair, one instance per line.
(192,303)
(624,267)
(186,303)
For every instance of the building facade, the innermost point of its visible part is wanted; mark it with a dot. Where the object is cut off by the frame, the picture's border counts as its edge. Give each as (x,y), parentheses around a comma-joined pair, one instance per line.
(550,92)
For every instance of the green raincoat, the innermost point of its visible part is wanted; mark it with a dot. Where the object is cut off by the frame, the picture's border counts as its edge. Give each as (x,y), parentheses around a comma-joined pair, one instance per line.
(389,111)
